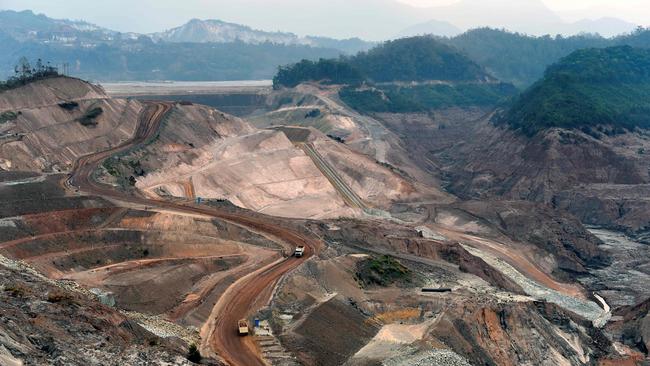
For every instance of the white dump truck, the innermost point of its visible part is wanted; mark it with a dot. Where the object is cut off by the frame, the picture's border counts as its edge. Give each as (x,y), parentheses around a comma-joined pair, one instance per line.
(299,252)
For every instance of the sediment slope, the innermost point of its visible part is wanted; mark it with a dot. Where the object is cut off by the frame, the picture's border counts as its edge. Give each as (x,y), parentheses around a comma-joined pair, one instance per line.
(262,171)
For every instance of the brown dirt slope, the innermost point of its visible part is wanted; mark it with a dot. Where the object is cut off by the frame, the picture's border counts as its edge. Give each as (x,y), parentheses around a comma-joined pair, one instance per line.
(47,137)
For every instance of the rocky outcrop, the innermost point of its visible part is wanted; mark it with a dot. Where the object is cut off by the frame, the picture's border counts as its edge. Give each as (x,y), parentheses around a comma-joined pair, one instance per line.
(46,323)
(555,233)
(635,327)
(496,335)
(600,177)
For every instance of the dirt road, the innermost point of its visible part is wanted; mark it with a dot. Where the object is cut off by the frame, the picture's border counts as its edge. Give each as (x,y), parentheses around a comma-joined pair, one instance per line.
(246,294)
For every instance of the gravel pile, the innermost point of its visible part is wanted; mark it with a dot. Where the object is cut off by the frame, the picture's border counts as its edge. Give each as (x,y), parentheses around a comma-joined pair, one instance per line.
(441,357)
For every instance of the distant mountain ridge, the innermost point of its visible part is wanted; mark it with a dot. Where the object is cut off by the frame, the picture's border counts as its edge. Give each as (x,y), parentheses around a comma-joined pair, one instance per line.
(220,50)
(24,26)
(432,27)
(606,27)
(213,30)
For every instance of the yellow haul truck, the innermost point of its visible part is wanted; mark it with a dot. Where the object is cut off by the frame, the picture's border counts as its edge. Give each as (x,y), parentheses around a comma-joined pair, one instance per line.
(242,327)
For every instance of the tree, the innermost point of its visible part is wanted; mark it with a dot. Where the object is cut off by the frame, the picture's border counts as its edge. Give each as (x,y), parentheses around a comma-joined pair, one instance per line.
(39,66)
(24,68)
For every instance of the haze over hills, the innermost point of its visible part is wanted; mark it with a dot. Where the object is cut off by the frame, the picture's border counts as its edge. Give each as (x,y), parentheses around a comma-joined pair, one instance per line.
(205,31)
(132,56)
(374,20)
(98,53)
(528,16)
(432,27)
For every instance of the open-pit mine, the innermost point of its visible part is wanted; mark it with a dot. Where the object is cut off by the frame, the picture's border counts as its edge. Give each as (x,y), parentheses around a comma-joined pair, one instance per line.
(133,228)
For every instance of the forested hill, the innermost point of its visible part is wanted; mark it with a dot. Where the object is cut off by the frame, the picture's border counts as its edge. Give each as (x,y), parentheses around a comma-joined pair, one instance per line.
(417,59)
(596,90)
(521,59)
(407,59)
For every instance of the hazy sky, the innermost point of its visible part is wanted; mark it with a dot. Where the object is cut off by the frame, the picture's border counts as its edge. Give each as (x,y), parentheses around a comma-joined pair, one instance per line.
(370,19)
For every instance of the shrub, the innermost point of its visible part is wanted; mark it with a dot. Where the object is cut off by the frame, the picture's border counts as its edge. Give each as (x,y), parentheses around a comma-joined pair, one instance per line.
(57,296)
(69,106)
(8,116)
(588,88)
(193,354)
(89,118)
(382,271)
(16,290)
(313,113)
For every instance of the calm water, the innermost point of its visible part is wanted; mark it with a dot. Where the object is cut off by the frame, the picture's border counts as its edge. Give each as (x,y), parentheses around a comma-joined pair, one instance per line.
(182,87)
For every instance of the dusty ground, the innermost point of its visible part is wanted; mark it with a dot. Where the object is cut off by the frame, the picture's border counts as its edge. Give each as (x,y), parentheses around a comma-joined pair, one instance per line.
(472,324)
(211,155)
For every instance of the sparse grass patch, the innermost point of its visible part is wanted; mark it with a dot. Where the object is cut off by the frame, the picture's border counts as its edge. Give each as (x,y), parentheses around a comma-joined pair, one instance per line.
(313,113)
(16,290)
(8,116)
(382,271)
(397,315)
(110,166)
(59,296)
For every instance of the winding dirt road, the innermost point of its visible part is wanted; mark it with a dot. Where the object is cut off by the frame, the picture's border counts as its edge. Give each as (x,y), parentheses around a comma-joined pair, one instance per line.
(245,295)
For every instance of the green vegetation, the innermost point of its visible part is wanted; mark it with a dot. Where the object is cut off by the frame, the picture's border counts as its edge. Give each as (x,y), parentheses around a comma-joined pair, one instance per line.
(378,80)
(408,59)
(24,74)
(69,106)
(377,100)
(521,59)
(422,98)
(587,89)
(382,271)
(89,118)
(314,113)
(193,354)
(110,165)
(325,71)
(8,116)
(416,59)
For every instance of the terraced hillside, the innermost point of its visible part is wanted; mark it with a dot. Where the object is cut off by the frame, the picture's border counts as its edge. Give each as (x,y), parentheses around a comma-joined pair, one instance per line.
(122,227)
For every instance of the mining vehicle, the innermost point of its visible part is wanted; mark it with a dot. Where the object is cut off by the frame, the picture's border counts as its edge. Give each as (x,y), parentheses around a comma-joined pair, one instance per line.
(242,327)
(300,251)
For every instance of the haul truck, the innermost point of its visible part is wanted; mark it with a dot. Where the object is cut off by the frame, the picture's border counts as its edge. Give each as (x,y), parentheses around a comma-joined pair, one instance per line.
(300,251)
(242,327)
